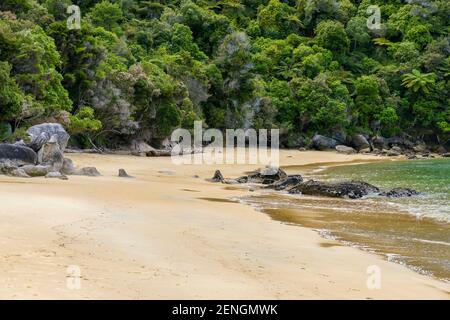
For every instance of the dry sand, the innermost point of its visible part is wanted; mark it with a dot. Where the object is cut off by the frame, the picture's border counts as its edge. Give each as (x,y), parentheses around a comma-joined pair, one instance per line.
(154,237)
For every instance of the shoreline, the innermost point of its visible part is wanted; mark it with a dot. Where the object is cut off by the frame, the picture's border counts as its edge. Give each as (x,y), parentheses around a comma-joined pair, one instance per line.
(157,237)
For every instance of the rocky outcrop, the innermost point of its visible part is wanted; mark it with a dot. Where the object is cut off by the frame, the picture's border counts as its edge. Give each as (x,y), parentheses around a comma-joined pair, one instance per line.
(379,142)
(352,189)
(217,177)
(140,148)
(51,154)
(266,175)
(68,167)
(288,182)
(344,149)
(399,193)
(277,179)
(320,142)
(420,147)
(359,142)
(17,155)
(36,171)
(42,133)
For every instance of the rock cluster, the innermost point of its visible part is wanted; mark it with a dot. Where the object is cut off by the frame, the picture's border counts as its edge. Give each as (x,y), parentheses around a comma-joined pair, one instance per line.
(392,147)
(42,157)
(277,179)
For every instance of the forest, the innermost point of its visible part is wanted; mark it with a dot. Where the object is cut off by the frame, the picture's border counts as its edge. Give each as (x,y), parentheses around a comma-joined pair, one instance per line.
(140,69)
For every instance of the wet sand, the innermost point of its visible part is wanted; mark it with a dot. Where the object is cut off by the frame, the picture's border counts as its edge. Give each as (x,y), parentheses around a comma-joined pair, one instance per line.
(160,236)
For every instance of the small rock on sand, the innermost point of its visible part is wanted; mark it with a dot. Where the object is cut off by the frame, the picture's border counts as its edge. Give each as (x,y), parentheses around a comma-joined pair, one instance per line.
(88,171)
(124,174)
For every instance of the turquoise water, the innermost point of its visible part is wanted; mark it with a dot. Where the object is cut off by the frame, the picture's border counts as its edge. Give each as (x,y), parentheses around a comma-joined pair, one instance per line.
(430,177)
(411,231)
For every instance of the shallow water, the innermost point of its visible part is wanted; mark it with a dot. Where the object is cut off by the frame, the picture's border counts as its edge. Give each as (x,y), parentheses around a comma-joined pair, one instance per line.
(412,231)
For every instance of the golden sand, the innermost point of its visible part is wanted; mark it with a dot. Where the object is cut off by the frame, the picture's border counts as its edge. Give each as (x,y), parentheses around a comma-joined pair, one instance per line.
(160,236)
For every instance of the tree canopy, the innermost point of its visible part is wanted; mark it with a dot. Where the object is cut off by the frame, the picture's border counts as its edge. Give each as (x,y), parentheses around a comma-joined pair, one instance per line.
(140,68)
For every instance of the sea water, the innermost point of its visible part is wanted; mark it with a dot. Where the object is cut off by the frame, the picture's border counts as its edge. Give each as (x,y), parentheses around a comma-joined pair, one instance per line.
(413,231)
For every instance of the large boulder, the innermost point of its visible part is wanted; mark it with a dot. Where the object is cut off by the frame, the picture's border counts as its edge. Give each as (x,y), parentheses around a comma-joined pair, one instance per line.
(17,155)
(266,175)
(42,133)
(351,189)
(359,142)
(6,167)
(320,142)
(420,147)
(140,148)
(379,142)
(51,155)
(344,149)
(68,167)
(36,171)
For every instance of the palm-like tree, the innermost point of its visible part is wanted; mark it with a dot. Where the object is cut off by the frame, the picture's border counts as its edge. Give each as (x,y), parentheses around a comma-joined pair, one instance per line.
(419,81)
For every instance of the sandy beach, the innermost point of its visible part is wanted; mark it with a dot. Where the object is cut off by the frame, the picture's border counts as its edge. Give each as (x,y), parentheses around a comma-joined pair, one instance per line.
(169,234)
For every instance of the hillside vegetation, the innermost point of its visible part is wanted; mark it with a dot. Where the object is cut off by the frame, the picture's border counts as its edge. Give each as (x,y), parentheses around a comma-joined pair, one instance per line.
(139,69)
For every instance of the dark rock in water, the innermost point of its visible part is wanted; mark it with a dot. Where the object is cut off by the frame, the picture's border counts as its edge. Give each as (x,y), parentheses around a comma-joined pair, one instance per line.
(352,189)
(42,133)
(88,171)
(124,174)
(243,179)
(68,167)
(289,181)
(399,192)
(266,175)
(218,177)
(359,142)
(320,142)
(36,171)
(17,155)
(446,155)
(56,175)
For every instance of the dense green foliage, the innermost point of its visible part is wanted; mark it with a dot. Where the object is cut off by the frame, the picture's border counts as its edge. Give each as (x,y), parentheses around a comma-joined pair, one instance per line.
(142,68)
